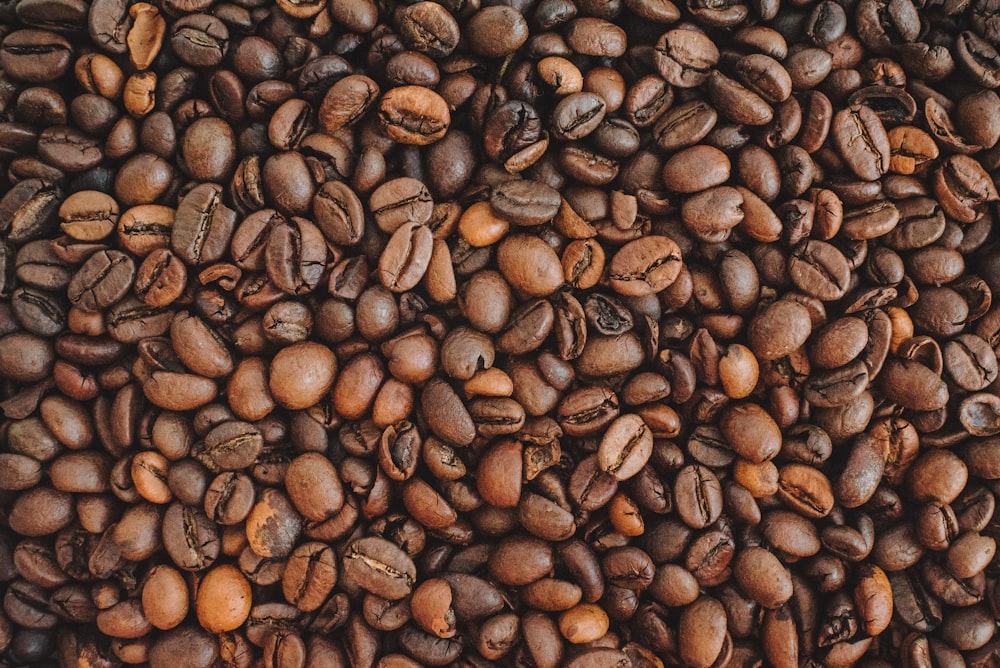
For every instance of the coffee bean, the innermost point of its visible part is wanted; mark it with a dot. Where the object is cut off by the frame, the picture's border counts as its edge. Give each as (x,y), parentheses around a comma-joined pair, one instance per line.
(273,525)
(530,265)
(35,55)
(200,40)
(380,567)
(862,141)
(596,37)
(625,447)
(224,599)
(684,58)
(525,202)
(414,115)
(645,266)
(762,576)
(309,576)
(699,496)
(497,31)
(339,213)
(406,257)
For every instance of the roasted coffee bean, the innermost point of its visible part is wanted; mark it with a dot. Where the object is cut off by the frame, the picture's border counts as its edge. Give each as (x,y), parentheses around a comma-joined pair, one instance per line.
(862,141)
(309,576)
(104,279)
(339,213)
(35,55)
(577,115)
(525,202)
(698,494)
(406,257)
(224,599)
(645,266)
(181,522)
(414,115)
(203,226)
(625,447)
(684,58)
(380,567)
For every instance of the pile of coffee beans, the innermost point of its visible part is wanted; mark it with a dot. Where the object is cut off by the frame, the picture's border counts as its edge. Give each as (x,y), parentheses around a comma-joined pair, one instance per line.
(518,333)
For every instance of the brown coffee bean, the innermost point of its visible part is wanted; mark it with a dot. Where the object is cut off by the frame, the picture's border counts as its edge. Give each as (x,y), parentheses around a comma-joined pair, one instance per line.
(380,567)
(181,522)
(224,599)
(625,447)
(406,257)
(165,598)
(685,57)
(862,141)
(414,115)
(702,631)
(751,432)
(447,417)
(35,55)
(530,265)
(937,475)
(645,266)
(301,374)
(314,486)
(498,477)
(778,329)
(697,168)
(577,115)
(737,102)
(698,495)
(525,202)
(873,599)
(273,526)
(806,490)
(432,608)
(583,623)
(913,385)
(762,577)
(712,213)
(820,270)
(596,37)
(497,31)
(765,76)
(309,577)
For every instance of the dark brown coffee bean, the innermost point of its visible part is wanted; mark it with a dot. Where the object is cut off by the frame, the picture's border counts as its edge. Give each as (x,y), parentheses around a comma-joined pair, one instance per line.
(200,40)
(763,577)
(525,202)
(35,55)
(339,213)
(208,149)
(103,280)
